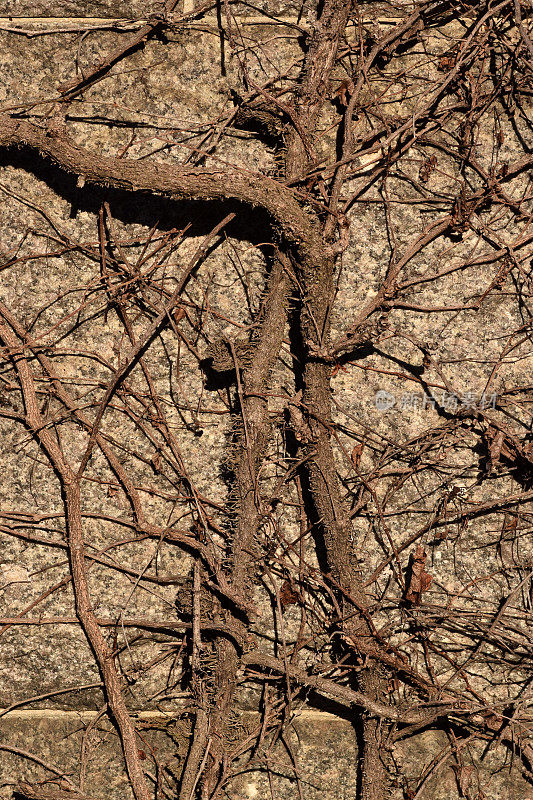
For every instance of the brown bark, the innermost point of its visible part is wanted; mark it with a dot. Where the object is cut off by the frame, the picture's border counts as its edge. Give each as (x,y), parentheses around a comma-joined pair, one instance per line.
(84,610)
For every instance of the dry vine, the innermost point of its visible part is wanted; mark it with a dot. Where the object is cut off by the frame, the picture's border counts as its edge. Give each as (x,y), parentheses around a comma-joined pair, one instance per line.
(315,580)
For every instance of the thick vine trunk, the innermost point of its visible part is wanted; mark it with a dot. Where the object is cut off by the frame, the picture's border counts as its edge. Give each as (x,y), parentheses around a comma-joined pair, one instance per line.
(318,292)
(250,448)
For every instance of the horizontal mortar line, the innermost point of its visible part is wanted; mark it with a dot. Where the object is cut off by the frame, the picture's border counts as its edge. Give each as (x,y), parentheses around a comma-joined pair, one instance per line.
(130,21)
(74,20)
(76,714)
(129,622)
(60,713)
(88,20)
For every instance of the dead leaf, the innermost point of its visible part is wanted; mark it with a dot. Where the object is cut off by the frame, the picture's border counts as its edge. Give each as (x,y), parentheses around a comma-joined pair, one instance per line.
(343,91)
(447,62)
(357,452)
(427,168)
(418,579)
(287,595)
(493,722)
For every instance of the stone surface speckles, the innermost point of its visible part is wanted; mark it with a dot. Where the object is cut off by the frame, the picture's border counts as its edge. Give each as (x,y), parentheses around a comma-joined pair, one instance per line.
(158,105)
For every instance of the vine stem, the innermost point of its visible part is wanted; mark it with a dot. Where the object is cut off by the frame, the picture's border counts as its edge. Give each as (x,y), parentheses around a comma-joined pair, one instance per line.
(70,485)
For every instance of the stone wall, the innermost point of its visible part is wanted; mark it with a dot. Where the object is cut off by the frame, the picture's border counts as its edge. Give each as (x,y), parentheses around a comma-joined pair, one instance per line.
(158,104)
